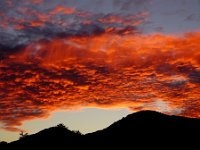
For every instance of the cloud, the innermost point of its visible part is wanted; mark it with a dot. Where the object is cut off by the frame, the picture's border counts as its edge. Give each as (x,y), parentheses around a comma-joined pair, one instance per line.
(24,22)
(61,56)
(161,106)
(136,71)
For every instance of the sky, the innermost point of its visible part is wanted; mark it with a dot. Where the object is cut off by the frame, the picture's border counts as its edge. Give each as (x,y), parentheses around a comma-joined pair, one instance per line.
(88,63)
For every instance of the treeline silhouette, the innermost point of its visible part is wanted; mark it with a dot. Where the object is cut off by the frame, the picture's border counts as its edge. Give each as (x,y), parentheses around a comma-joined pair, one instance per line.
(142,129)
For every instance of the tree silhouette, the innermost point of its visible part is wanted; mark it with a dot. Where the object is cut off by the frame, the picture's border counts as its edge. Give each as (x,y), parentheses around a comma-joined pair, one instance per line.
(61,125)
(77,132)
(22,135)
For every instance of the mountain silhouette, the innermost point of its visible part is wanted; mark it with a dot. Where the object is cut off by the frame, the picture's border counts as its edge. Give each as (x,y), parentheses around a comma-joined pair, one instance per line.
(141,129)
(148,127)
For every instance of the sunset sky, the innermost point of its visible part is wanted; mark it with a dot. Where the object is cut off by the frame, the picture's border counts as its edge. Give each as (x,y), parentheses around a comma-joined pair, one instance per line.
(88,63)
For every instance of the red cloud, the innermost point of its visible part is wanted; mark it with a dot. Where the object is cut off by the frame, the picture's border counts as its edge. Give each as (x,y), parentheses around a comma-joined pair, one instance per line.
(36,1)
(64,10)
(158,72)
(129,20)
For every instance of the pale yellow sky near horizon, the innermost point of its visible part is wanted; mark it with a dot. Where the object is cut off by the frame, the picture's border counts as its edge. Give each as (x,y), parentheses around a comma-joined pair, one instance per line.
(85,120)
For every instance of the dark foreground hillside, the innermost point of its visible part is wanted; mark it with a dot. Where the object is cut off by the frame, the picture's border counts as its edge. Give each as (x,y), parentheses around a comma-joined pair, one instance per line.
(142,129)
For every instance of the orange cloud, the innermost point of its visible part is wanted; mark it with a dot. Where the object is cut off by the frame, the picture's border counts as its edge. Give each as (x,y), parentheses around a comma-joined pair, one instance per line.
(155,71)
(64,10)
(129,20)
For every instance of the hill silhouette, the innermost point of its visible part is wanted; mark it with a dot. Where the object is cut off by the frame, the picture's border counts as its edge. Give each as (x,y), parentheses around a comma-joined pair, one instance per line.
(141,129)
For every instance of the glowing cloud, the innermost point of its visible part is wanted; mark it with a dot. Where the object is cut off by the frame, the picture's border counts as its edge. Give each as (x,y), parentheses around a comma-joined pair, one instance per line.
(62,57)
(108,70)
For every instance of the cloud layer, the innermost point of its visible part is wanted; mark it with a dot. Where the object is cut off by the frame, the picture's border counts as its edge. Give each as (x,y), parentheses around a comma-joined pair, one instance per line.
(108,70)
(64,57)
(23,22)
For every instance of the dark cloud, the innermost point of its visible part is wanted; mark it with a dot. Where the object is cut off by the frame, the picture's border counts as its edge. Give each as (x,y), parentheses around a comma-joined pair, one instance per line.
(194,76)
(23,22)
